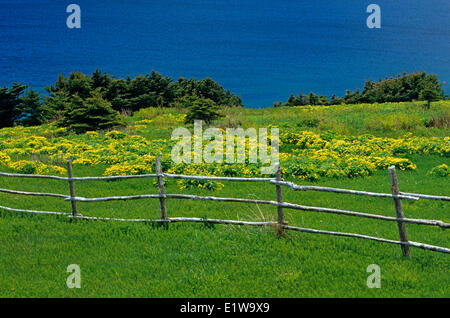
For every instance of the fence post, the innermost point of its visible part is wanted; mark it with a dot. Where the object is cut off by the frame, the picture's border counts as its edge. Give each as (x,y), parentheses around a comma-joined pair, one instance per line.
(162,200)
(399,211)
(280,229)
(72,188)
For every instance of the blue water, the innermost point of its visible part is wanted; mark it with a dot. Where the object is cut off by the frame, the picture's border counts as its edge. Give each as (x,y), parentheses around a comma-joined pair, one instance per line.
(262,50)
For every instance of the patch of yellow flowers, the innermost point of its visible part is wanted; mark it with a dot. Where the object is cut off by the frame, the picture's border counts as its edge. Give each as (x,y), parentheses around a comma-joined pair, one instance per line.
(310,156)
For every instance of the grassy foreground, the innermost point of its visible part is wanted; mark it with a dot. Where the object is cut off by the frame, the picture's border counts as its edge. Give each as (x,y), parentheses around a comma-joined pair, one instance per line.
(198,260)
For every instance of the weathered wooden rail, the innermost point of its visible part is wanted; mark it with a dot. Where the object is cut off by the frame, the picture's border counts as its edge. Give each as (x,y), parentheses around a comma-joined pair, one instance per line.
(278,182)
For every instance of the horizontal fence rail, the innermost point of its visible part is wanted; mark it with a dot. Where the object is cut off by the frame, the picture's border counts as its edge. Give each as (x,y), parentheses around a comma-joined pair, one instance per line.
(212,178)
(138,176)
(37,194)
(427,196)
(337,190)
(278,182)
(274,203)
(33,211)
(36,176)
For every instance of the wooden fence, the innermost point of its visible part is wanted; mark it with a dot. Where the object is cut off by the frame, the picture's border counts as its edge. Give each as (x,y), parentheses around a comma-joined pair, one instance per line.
(278,182)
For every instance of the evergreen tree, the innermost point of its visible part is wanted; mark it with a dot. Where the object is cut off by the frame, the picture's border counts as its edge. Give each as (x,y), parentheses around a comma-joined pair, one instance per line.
(202,109)
(323,100)
(30,109)
(60,85)
(54,106)
(335,100)
(100,80)
(291,100)
(9,104)
(430,93)
(313,99)
(79,84)
(94,113)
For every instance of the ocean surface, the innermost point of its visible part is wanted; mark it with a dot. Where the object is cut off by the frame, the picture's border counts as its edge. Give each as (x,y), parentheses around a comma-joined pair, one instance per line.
(262,50)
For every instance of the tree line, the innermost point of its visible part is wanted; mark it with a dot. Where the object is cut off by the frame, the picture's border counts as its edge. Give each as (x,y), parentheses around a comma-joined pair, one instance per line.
(83,102)
(89,102)
(401,88)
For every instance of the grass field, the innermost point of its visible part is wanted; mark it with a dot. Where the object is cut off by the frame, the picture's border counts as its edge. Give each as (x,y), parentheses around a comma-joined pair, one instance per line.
(199,260)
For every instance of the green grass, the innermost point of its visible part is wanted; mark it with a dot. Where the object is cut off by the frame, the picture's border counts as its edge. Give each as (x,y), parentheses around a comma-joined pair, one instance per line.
(194,260)
(389,119)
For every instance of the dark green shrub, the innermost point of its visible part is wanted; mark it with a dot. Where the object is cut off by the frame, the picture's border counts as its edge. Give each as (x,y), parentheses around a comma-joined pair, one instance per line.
(202,109)
(91,114)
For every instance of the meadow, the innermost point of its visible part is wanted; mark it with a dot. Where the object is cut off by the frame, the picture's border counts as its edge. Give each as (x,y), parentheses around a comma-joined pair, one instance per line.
(342,146)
